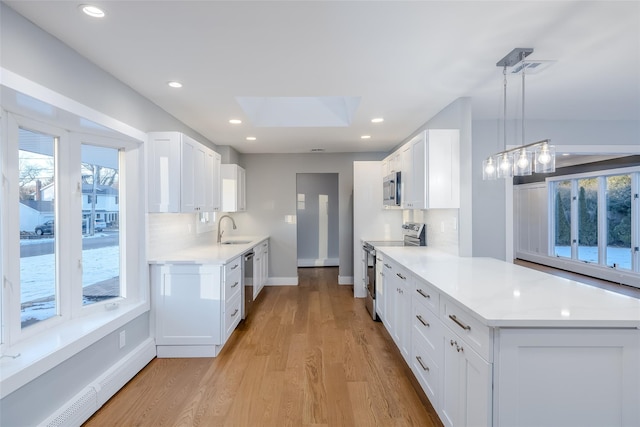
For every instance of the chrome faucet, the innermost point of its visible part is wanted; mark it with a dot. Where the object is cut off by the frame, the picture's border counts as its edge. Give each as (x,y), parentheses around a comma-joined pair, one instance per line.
(220,231)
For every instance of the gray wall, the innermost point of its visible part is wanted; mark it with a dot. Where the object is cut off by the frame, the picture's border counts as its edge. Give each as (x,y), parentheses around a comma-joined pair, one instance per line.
(312,185)
(271,197)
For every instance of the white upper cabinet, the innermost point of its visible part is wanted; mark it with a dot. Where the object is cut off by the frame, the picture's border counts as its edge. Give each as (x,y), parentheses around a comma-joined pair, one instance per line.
(233,188)
(184,175)
(430,166)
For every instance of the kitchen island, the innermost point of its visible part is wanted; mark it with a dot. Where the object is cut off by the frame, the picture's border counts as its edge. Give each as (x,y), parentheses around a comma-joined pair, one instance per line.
(198,294)
(493,343)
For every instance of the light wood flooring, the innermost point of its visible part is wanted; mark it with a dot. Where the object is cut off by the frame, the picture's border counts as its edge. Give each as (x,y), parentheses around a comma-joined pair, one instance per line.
(309,355)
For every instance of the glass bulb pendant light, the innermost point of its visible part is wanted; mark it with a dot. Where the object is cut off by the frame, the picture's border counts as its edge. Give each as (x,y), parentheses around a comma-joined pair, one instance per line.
(489,170)
(522,163)
(545,158)
(505,165)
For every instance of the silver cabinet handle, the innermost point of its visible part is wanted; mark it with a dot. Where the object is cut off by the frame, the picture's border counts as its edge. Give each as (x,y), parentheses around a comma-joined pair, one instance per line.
(421,292)
(401,276)
(234,285)
(235,266)
(235,312)
(425,323)
(459,323)
(388,266)
(424,367)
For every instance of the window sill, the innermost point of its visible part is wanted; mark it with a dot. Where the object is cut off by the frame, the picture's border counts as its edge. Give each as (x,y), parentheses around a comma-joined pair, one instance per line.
(42,352)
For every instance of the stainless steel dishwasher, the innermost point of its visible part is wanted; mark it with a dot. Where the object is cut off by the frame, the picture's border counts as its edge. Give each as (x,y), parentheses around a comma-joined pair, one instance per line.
(247,269)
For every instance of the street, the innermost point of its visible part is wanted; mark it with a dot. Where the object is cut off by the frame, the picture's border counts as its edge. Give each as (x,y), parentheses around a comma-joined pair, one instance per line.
(44,247)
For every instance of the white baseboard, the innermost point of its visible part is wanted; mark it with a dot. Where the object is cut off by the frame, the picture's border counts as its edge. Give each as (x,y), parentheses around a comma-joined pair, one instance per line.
(282,281)
(322,262)
(345,280)
(84,404)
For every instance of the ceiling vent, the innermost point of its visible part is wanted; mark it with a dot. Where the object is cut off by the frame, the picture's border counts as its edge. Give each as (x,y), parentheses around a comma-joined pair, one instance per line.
(531,67)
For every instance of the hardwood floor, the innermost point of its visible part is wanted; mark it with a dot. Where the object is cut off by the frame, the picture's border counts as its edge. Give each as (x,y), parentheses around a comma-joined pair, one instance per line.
(309,355)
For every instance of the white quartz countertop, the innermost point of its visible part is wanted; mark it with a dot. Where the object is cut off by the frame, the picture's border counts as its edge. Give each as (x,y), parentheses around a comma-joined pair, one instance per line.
(502,294)
(209,253)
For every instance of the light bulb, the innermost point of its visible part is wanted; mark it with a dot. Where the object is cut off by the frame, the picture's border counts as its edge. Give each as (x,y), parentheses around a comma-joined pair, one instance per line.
(523,161)
(544,156)
(505,163)
(490,168)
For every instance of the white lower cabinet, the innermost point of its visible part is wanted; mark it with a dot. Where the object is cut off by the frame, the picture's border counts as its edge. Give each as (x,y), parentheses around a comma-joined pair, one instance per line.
(398,283)
(581,377)
(195,307)
(260,267)
(466,384)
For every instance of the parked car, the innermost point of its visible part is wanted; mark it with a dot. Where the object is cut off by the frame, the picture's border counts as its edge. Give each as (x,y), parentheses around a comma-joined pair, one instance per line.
(100,225)
(46,228)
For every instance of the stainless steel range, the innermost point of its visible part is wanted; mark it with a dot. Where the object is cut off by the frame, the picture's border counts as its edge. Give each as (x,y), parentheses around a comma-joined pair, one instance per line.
(414,235)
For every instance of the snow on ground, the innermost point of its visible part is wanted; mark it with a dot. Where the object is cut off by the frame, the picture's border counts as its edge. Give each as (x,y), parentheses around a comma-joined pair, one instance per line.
(26,242)
(620,256)
(37,278)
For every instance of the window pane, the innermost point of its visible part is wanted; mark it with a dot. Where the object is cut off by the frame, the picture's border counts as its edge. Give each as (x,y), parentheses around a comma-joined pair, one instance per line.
(619,221)
(588,220)
(100,224)
(562,246)
(37,227)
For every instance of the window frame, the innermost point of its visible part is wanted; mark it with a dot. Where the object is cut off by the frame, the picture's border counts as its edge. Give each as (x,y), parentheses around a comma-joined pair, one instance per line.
(68,244)
(601,176)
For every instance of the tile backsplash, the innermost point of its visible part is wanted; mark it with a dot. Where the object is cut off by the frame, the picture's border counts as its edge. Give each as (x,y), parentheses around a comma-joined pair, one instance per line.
(171,232)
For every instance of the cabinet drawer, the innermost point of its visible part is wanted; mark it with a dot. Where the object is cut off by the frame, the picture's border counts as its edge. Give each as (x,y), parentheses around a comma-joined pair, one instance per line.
(477,335)
(232,315)
(427,371)
(428,295)
(232,284)
(428,329)
(233,266)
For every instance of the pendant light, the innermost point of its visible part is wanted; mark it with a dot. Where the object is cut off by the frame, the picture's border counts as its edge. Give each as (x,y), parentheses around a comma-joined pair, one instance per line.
(523,160)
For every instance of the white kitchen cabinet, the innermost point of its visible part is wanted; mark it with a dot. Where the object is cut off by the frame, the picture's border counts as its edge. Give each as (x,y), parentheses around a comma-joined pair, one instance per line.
(212,185)
(233,188)
(182,174)
(583,378)
(195,307)
(398,284)
(380,287)
(466,397)
(431,170)
(260,267)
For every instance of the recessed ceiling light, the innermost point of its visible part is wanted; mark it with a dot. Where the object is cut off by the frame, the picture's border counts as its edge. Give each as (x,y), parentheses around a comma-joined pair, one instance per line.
(377,120)
(566,154)
(235,121)
(175,84)
(365,137)
(93,11)
(251,138)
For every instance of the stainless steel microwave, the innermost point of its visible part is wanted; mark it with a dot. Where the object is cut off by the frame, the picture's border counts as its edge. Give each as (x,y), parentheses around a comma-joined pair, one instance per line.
(391,189)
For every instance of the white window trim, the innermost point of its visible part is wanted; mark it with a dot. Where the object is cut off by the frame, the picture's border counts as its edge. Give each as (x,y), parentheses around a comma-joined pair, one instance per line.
(43,351)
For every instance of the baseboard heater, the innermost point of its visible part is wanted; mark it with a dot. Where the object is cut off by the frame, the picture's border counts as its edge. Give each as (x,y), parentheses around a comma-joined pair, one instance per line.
(84,404)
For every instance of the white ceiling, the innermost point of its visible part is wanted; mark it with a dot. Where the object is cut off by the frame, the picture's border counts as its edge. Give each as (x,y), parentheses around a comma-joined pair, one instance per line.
(405,61)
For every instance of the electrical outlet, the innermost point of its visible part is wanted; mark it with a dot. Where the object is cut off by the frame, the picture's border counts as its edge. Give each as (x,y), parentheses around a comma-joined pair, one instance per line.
(123,338)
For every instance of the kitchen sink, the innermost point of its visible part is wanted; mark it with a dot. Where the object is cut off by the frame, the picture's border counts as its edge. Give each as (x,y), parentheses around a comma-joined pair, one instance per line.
(236,242)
